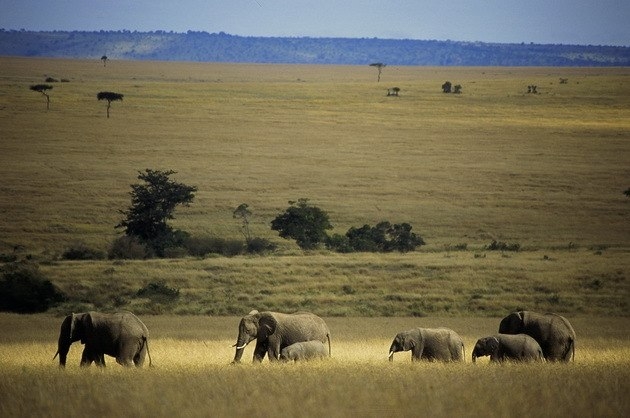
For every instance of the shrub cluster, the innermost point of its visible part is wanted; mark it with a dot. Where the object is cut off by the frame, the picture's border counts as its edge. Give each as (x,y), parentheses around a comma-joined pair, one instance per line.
(159,292)
(502,246)
(23,289)
(383,237)
(80,251)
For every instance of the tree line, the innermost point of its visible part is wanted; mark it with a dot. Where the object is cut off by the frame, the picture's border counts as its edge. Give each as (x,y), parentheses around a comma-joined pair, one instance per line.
(222,47)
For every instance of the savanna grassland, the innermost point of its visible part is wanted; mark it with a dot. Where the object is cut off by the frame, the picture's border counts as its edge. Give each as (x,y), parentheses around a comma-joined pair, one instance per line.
(192,375)
(545,171)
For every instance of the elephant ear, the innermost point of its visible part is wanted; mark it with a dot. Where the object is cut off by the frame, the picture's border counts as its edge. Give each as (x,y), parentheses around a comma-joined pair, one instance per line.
(492,344)
(408,343)
(82,324)
(266,326)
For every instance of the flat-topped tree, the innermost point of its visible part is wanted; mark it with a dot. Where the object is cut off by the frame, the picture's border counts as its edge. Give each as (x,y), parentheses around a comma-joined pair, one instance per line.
(42,88)
(110,97)
(379,66)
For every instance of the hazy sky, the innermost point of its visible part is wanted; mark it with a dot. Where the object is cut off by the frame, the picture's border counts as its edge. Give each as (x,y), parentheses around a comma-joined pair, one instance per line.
(596,22)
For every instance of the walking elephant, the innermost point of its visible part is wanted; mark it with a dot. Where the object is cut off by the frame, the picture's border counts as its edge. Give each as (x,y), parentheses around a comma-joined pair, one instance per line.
(433,344)
(274,331)
(306,350)
(502,347)
(121,335)
(553,332)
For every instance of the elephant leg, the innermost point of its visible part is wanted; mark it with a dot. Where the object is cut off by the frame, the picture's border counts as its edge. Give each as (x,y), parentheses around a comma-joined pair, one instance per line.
(261,350)
(138,359)
(86,357)
(127,352)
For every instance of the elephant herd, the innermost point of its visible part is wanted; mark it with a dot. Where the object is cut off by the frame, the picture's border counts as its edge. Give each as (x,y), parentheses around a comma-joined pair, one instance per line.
(522,336)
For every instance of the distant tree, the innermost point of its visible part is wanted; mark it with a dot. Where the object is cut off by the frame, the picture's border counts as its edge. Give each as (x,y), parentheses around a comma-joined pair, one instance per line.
(110,97)
(104,59)
(627,192)
(446,87)
(152,205)
(379,66)
(42,88)
(393,91)
(242,212)
(457,89)
(304,223)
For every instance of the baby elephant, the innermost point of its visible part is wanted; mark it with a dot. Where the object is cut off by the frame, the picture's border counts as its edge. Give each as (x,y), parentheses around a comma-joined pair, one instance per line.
(433,344)
(305,350)
(502,347)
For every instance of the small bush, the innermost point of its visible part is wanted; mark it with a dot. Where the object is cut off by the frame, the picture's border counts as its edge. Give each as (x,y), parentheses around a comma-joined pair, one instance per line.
(129,247)
(159,292)
(202,246)
(502,246)
(260,246)
(80,251)
(23,289)
(384,237)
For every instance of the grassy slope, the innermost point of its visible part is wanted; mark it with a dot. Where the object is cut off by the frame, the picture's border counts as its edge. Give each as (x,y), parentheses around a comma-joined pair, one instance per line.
(546,171)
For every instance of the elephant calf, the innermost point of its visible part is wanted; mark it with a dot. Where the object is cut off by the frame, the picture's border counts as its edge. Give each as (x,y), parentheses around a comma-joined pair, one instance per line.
(433,344)
(502,347)
(305,350)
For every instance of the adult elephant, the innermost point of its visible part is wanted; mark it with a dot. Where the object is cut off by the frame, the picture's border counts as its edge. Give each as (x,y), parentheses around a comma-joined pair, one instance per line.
(553,332)
(502,347)
(441,344)
(121,335)
(274,331)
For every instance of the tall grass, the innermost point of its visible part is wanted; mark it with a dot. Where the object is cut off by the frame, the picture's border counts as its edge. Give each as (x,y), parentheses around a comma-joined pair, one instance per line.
(192,375)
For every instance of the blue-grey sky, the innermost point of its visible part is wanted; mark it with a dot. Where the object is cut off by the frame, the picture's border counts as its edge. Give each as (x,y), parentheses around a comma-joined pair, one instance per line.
(596,22)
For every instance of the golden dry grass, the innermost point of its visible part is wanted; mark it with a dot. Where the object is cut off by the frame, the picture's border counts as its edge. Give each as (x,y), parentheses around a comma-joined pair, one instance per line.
(192,375)
(493,163)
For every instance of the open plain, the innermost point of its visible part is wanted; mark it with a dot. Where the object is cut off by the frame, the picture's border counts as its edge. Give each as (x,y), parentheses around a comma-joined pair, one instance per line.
(546,171)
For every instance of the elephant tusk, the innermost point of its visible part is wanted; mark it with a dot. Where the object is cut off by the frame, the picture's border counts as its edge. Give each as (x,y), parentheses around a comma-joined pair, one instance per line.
(391,353)
(240,347)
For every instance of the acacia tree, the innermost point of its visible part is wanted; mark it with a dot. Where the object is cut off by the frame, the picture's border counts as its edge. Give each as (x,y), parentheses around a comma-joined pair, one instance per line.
(110,97)
(243,212)
(104,59)
(304,223)
(379,66)
(152,205)
(42,88)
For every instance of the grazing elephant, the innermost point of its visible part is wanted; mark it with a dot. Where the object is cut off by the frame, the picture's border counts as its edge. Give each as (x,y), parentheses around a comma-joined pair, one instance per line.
(502,347)
(120,335)
(274,331)
(441,344)
(305,350)
(553,332)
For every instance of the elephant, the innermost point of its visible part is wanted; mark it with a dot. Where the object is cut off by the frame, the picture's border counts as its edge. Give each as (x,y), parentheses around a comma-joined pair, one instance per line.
(121,335)
(433,344)
(553,332)
(305,350)
(274,331)
(502,347)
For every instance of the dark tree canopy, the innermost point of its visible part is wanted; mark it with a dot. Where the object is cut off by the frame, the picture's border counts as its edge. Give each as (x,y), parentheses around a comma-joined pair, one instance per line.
(304,223)
(109,96)
(152,205)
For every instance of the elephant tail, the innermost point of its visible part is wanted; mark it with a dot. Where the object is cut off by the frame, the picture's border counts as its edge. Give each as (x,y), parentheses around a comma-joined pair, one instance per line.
(572,349)
(464,352)
(329,349)
(146,343)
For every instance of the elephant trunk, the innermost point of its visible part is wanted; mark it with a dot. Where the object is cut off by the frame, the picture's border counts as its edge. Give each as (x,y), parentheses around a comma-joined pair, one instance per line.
(240,345)
(474,355)
(65,341)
